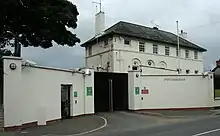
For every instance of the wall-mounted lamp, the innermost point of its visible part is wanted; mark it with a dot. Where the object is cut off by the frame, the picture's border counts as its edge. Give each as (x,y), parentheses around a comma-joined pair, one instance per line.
(12,66)
(87,72)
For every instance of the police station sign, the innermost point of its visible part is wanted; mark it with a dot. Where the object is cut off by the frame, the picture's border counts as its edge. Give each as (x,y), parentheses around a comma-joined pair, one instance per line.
(174,79)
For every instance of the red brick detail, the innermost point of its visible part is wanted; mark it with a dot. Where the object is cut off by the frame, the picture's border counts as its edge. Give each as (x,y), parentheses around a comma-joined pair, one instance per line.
(82,115)
(34,124)
(12,128)
(196,108)
(52,121)
(28,125)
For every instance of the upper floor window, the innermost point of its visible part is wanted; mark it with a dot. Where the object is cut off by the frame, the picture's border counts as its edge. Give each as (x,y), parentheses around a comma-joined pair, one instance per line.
(187,71)
(141,47)
(105,43)
(127,42)
(187,53)
(195,55)
(90,50)
(155,49)
(167,50)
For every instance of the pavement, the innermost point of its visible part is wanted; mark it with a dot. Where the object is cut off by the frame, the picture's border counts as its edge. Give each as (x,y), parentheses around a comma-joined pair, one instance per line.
(181,113)
(75,126)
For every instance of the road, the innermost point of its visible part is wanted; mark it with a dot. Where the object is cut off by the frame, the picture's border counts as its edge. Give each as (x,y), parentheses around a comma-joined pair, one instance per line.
(133,124)
(209,126)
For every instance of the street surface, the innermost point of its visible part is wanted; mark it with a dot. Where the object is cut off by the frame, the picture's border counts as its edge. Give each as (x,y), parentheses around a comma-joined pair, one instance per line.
(135,124)
(206,126)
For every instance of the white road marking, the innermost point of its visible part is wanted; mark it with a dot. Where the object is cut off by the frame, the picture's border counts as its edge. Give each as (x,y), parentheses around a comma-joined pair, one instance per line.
(87,132)
(103,126)
(207,132)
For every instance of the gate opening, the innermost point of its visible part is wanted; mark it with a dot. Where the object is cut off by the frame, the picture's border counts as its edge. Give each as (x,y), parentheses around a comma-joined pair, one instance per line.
(111,91)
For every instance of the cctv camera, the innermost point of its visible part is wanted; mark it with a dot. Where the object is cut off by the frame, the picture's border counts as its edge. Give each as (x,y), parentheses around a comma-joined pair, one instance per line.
(205,74)
(31,62)
(100,66)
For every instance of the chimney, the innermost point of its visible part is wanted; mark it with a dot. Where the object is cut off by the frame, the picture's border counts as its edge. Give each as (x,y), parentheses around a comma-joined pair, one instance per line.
(218,62)
(99,23)
(183,34)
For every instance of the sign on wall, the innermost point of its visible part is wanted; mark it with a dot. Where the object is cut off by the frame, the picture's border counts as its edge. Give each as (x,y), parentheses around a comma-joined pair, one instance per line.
(137,90)
(75,94)
(145,91)
(89,91)
(174,79)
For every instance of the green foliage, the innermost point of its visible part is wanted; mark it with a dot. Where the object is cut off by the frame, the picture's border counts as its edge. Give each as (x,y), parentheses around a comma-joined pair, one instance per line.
(5,52)
(37,23)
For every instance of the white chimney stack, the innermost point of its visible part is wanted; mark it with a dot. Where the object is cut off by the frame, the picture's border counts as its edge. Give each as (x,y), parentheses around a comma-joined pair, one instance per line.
(99,23)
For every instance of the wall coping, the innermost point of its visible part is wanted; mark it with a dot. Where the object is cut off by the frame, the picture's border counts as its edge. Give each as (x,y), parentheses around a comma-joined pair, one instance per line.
(11,57)
(57,69)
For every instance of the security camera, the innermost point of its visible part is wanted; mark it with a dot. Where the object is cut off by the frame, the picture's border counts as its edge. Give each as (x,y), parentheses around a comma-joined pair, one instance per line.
(31,62)
(205,74)
(100,66)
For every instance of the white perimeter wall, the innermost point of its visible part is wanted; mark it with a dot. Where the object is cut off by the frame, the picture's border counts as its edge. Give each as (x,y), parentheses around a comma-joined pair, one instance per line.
(34,94)
(169,92)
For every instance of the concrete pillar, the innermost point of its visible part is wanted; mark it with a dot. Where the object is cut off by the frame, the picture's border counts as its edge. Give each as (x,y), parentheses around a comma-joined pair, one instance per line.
(12,91)
(89,93)
(134,89)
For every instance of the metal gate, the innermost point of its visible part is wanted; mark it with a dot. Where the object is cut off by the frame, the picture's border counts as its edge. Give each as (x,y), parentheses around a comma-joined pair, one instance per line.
(111,91)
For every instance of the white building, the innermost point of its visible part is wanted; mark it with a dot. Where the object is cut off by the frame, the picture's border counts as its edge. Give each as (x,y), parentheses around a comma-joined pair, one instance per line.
(126,46)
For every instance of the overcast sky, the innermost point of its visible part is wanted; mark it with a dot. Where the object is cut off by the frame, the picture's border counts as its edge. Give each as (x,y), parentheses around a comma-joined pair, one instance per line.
(199,18)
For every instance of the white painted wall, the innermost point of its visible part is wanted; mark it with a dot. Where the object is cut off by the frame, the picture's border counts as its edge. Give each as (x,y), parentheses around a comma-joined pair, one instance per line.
(121,56)
(118,44)
(167,93)
(124,54)
(99,48)
(101,59)
(101,54)
(34,93)
(122,63)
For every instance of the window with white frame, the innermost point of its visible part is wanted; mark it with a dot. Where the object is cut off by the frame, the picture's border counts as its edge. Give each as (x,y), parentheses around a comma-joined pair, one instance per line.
(127,42)
(105,43)
(187,71)
(90,50)
(155,49)
(167,50)
(196,71)
(141,47)
(186,53)
(195,54)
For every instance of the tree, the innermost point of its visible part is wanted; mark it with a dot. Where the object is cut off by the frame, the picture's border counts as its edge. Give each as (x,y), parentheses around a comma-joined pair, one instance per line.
(37,23)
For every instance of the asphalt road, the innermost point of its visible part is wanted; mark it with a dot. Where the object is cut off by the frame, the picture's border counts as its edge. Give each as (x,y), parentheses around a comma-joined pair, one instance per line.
(209,126)
(132,124)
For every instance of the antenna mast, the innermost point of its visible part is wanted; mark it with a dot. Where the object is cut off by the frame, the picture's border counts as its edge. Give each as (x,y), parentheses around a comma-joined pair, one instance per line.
(98,3)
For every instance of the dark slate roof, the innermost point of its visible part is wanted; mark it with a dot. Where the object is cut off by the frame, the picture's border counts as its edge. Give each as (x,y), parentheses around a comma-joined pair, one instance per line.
(217,67)
(146,33)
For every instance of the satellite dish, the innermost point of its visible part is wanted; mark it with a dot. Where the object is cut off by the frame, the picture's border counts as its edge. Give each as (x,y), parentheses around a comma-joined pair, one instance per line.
(153,23)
